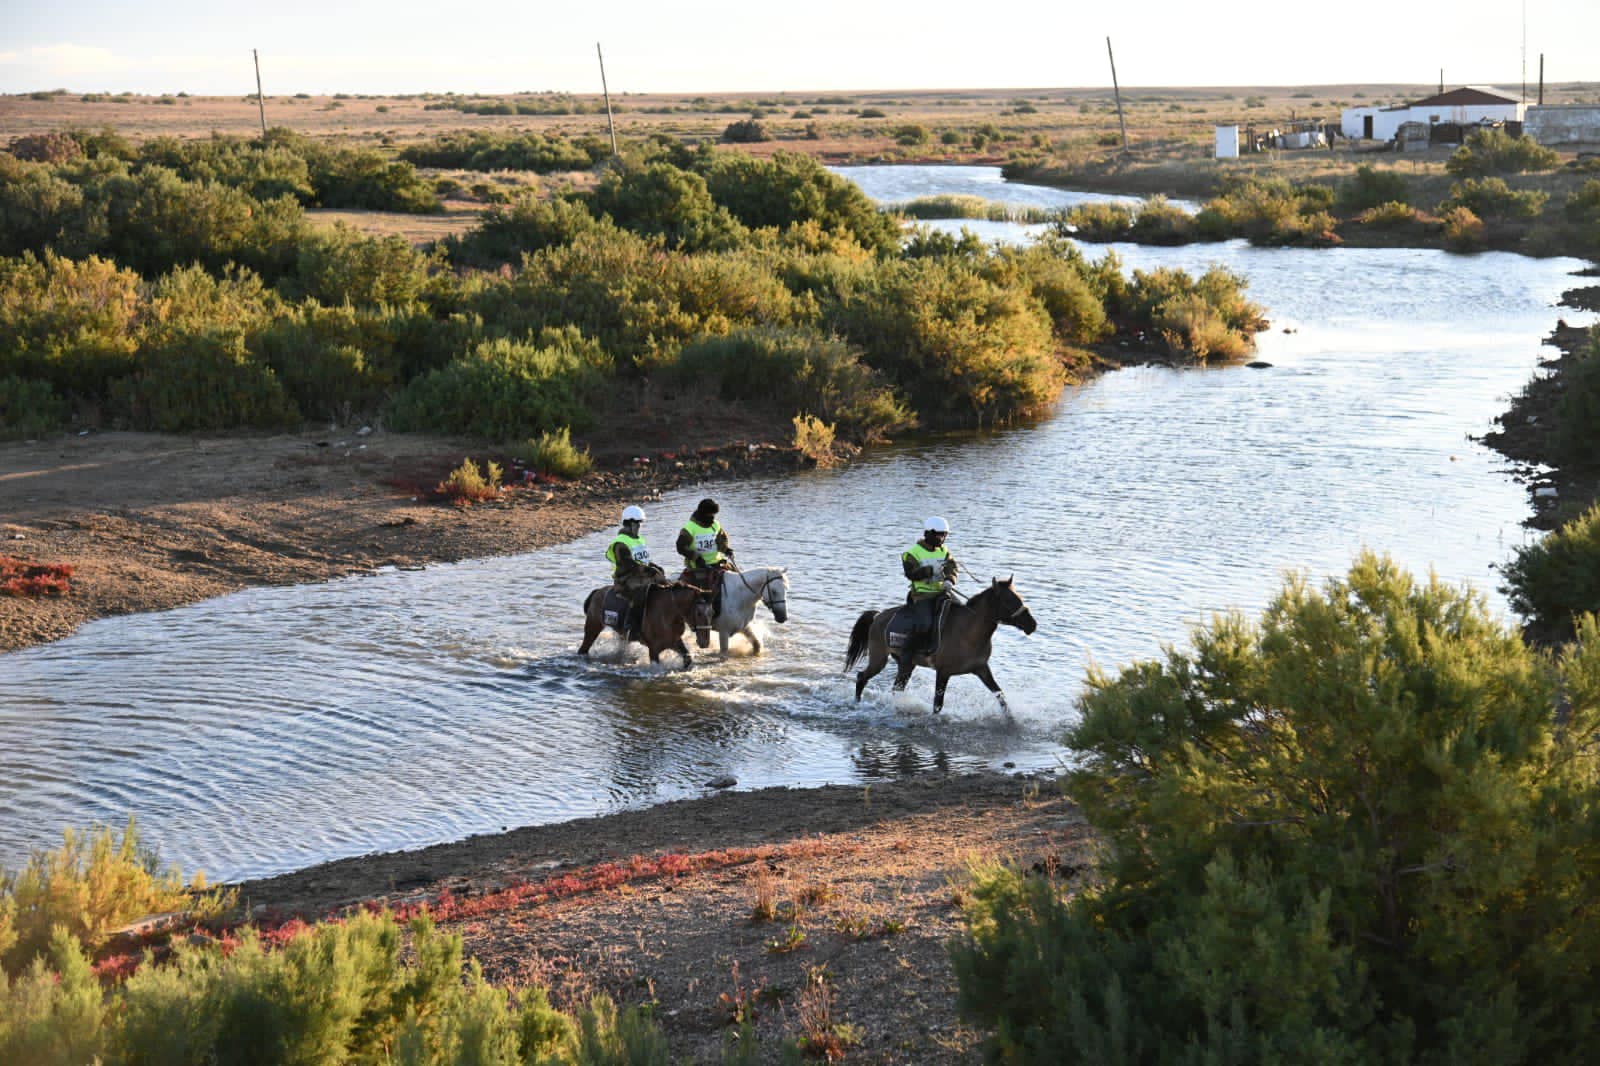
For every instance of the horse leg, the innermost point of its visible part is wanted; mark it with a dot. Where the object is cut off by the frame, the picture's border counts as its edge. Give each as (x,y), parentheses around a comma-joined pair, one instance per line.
(751,637)
(903,666)
(987,678)
(722,635)
(940,680)
(683,650)
(591,630)
(877,659)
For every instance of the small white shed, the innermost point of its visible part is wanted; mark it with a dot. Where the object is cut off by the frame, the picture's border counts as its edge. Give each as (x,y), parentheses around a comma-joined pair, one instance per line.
(1227,142)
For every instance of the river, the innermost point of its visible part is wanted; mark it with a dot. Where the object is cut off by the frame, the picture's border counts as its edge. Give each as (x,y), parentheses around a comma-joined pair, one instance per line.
(275,728)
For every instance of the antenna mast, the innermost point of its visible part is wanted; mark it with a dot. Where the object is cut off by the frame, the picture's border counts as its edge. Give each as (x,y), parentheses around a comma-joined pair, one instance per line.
(261,101)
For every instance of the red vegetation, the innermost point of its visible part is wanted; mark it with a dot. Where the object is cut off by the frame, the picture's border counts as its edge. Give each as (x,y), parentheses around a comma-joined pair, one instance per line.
(20,578)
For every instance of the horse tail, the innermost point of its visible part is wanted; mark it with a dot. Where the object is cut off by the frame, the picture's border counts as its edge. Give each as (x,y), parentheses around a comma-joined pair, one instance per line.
(858,638)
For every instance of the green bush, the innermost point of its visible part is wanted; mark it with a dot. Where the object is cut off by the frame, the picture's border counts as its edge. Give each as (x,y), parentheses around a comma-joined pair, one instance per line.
(505,235)
(1576,439)
(1159,222)
(158,221)
(486,150)
(203,381)
(1463,230)
(72,323)
(503,390)
(335,363)
(29,408)
(1552,582)
(662,200)
(784,372)
(746,131)
(791,189)
(41,211)
(1198,319)
(1494,151)
(554,453)
(361,990)
(1390,215)
(1098,222)
(1371,188)
(959,347)
(1357,831)
(91,885)
(1493,198)
(1582,209)
(1268,211)
(1057,276)
(912,135)
(341,265)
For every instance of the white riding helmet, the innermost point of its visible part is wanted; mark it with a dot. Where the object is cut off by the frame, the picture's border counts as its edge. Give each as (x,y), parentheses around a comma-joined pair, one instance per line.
(633,514)
(936,525)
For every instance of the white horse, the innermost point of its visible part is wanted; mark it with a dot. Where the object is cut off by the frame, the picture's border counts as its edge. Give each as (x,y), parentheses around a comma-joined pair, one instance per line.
(741,591)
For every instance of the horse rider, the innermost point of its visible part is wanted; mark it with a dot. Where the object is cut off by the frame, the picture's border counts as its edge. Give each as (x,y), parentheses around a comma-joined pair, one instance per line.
(632,572)
(703,543)
(931,569)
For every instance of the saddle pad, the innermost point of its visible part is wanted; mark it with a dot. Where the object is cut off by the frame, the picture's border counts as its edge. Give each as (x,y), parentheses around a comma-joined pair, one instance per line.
(615,608)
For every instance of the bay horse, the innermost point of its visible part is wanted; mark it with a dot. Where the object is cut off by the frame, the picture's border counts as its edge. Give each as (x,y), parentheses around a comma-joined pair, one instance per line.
(741,591)
(963,642)
(668,611)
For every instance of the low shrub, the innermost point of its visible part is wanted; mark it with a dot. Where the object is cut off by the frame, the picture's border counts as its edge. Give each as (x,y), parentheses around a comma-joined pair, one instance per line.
(29,408)
(1371,188)
(1494,151)
(1098,222)
(333,362)
(24,579)
(663,201)
(1582,209)
(1493,198)
(912,135)
(1356,831)
(554,454)
(1552,582)
(783,372)
(71,323)
(1575,440)
(813,438)
(502,390)
(93,883)
(746,131)
(466,485)
(203,381)
(1159,222)
(505,235)
(360,990)
(1192,328)
(341,265)
(1390,215)
(1463,230)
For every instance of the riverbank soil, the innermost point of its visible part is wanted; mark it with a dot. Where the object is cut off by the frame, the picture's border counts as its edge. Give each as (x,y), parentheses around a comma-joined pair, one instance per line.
(150,522)
(790,902)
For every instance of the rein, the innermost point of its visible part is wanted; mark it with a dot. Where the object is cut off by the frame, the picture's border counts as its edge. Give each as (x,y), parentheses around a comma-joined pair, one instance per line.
(759,591)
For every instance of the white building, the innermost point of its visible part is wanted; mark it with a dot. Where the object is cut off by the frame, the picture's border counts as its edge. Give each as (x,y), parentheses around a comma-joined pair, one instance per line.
(1466,107)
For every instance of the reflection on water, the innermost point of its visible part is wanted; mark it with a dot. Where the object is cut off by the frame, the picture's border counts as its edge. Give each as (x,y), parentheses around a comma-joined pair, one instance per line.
(273,728)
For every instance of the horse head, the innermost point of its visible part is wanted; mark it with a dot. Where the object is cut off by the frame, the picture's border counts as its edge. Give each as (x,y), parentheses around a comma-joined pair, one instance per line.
(775,594)
(1009,607)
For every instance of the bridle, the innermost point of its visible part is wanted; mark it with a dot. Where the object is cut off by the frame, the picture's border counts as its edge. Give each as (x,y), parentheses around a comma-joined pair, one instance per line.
(760,592)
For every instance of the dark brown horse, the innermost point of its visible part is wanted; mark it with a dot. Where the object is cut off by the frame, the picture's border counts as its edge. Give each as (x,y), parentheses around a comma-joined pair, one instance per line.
(963,642)
(668,611)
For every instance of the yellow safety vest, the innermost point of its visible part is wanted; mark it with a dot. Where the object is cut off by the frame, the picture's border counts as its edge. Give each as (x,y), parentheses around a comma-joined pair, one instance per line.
(636,548)
(936,557)
(705,543)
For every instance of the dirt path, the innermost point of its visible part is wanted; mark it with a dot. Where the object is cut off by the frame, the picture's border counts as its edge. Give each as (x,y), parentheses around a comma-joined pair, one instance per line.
(150,522)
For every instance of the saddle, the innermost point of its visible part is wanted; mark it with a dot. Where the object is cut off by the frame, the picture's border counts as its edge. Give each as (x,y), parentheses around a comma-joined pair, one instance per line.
(908,627)
(707,577)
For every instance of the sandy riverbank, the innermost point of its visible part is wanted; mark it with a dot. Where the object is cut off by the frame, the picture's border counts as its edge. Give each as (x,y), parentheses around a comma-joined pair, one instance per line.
(150,522)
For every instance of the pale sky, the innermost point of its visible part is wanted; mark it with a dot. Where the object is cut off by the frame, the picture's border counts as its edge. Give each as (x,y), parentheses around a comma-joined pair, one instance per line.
(490,46)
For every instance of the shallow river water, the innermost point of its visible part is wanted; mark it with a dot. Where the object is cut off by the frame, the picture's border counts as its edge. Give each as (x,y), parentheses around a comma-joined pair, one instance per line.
(274,728)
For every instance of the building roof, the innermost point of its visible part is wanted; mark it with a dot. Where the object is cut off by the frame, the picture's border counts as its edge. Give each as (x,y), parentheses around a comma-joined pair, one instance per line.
(1465,98)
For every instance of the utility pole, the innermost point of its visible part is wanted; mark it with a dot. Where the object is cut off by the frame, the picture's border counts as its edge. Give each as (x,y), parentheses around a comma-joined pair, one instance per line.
(1115,88)
(1541,79)
(260,100)
(610,122)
